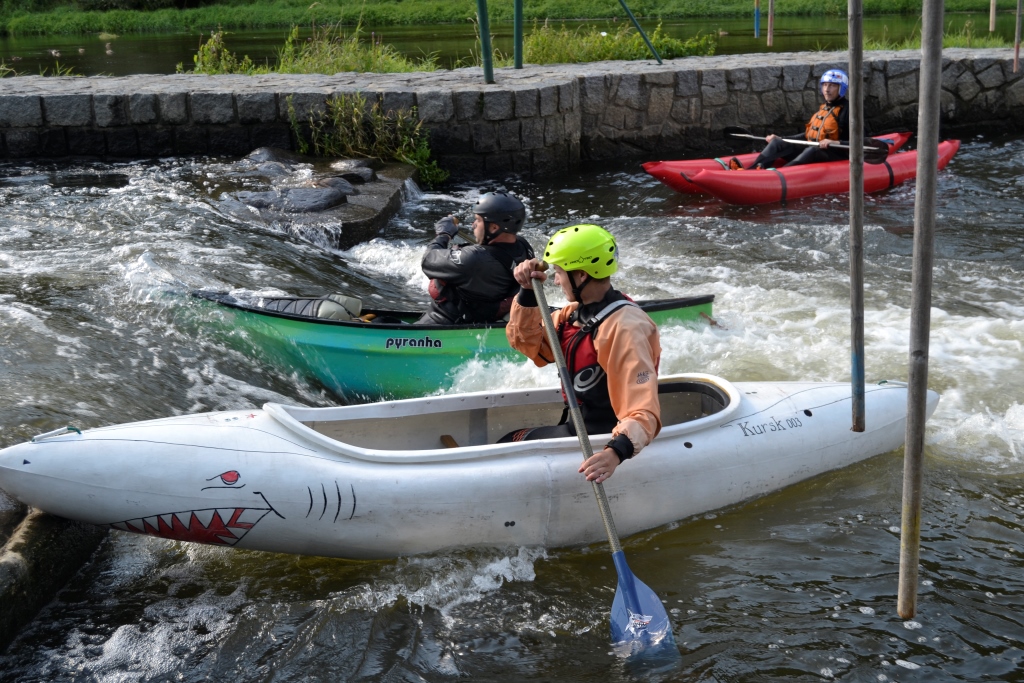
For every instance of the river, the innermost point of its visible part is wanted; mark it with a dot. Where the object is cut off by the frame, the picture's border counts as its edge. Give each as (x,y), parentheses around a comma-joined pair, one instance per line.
(96,328)
(86,55)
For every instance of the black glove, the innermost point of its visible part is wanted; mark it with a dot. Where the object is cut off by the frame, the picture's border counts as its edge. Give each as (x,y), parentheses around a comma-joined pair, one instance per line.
(446,226)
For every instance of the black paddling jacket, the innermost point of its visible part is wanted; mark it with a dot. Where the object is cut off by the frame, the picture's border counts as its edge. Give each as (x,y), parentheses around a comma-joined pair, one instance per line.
(471,283)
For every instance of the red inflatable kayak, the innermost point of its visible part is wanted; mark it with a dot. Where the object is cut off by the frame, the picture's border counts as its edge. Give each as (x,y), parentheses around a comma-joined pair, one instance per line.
(677,174)
(833,177)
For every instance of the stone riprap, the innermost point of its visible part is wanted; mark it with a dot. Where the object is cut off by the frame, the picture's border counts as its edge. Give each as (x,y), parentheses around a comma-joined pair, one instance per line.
(538,119)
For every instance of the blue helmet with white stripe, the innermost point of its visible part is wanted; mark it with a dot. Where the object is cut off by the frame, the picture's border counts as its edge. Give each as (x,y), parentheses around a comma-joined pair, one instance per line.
(836,76)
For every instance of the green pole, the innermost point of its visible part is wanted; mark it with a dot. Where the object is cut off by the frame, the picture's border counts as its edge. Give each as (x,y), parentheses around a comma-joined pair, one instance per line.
(485,40)
(517,30)
(637,25)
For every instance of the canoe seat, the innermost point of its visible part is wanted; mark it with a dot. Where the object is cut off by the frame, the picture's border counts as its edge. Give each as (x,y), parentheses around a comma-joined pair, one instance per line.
(686,401)
(330,307)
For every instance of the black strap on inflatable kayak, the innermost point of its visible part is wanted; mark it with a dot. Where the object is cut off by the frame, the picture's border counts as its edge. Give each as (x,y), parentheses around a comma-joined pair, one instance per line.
(892,178)
(782,179)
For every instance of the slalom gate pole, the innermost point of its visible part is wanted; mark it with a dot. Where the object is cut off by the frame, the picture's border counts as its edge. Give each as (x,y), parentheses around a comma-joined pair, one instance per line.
(920,303)
(485,40)
(517,31)
(856,100)
(636,25)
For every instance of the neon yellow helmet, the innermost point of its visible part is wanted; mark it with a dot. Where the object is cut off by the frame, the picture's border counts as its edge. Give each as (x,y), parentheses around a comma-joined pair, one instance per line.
(589,248)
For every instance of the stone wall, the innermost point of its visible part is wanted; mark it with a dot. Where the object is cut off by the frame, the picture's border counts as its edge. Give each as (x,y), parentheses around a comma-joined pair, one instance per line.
(535,120)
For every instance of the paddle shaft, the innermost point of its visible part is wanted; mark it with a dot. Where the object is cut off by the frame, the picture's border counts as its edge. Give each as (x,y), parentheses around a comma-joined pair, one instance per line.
(575,414)
(806,143)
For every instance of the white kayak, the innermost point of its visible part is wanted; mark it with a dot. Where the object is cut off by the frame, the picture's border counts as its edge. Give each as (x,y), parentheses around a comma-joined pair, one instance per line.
(377,481)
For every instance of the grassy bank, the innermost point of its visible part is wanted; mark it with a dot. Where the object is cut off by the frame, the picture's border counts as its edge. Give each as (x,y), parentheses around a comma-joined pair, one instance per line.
(51,17)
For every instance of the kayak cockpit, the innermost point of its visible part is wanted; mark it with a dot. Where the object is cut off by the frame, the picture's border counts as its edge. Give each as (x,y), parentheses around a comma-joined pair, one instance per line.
(469,425)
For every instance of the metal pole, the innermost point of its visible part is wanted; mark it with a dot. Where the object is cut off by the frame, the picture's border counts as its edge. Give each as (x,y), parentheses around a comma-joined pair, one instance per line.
(771,22)
(485,40)
(920,303)
(636,25)
(1016,39)
(856,99)
(992,16)
(757,18)
(517,33)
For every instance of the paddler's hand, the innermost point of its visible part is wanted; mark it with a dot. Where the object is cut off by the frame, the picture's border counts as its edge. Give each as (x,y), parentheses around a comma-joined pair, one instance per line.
(825,143)
(600,466)
(529,269)
(446,226)
(771,137)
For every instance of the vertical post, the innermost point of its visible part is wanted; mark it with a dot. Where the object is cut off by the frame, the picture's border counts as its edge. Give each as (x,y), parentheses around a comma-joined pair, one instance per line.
(757,18)
(856,99)
(920,302)
(517,34)
(992,16)
(771,22)
(1016,38)
(636,25)
(485,40)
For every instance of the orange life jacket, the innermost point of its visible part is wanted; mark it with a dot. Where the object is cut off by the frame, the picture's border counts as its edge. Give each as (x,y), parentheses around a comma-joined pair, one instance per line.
(824,124)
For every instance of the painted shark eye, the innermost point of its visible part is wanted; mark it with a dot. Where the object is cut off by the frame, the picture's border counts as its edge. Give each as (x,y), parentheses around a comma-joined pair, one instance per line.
(230,477)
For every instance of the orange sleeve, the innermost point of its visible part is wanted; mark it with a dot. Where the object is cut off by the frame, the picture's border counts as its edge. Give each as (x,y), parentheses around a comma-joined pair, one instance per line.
(629,349)
(525,331)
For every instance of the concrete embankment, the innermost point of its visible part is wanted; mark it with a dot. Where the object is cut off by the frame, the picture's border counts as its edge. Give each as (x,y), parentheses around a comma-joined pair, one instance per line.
(539,119)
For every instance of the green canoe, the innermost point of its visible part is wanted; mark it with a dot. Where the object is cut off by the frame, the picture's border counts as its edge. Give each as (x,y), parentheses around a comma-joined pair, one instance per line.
(360,361)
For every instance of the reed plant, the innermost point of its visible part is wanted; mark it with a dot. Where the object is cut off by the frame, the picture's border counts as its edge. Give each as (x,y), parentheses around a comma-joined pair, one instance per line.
(329,50)
(347,127)
(964,37)
(548,44)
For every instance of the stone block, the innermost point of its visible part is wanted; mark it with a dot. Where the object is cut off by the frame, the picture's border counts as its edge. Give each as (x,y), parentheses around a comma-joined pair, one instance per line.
(629,92)
(593,95)
(947,105)
(738,79)
(270,135)
(724,116)
(142,108)
(632,120)
(110,110)
(662,78)
(396,101)
(1014,96)
(554,131)
(568,96)
(122,143)
(173,108)
(212,107)
(469,104)
(795,106)
(499,105)
(67,110)
(992,77)
(522,162)
(305,105)
(899,67)
(967,87)
(950,73)
(686,110)
(750,111)
(795,76)
(231,140)
(548,100)
(434,106)
(498,163)
(876,88)
(572,124)
(53,143)
(20,111)
(527,103)
(714,88)
(156,141)
(190,140)
(812,101)
(456,139)
(87,142)
(464,165)
(614,117)
(551,160)
(687,83)
(774,105)
(659,104)
(765,78)
(256,107)
(1009,75)
(485,138)
(508,135)
(531,133)
(21,143)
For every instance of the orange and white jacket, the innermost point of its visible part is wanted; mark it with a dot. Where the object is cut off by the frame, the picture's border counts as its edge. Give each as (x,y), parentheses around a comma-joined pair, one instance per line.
(628,350)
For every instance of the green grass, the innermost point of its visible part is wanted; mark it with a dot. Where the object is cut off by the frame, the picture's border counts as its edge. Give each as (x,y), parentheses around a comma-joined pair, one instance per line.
(549,45)
(965,37)
(68,17)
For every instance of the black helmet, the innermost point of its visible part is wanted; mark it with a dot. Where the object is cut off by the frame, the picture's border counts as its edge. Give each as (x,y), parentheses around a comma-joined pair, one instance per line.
(503,209)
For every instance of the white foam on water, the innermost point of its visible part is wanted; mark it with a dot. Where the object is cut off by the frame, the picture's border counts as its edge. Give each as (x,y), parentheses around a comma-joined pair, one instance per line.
(391,260)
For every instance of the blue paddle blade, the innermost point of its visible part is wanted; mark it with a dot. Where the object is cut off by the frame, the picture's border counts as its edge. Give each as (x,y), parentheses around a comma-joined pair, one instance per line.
(639,620)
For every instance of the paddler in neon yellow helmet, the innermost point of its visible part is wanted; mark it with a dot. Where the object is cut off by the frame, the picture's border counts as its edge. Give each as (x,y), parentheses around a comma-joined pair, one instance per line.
(611,346)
